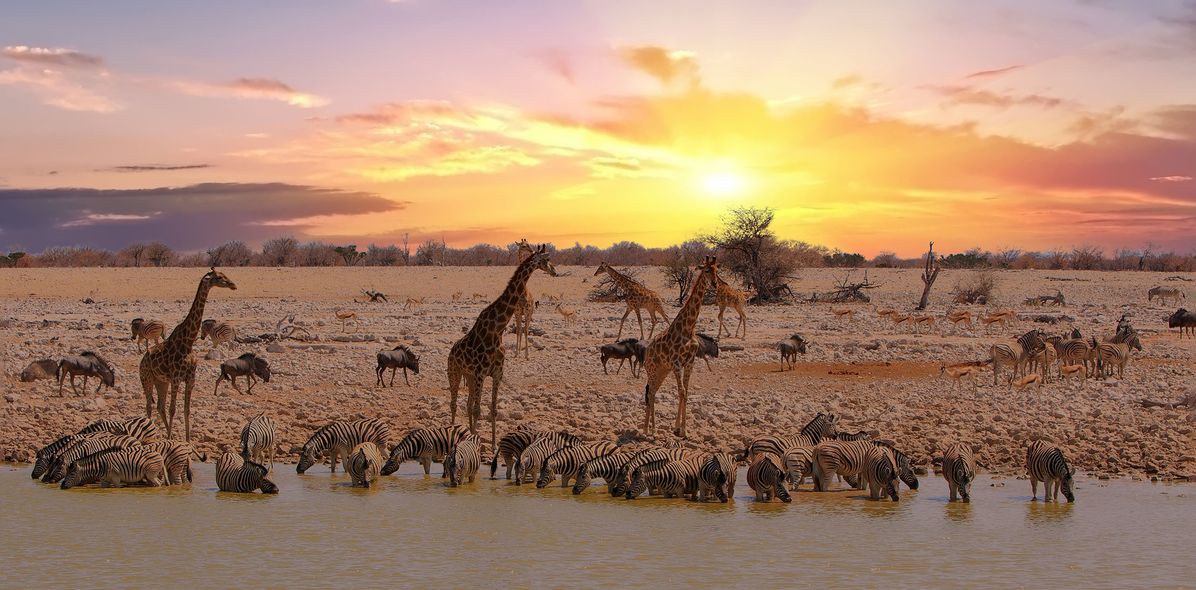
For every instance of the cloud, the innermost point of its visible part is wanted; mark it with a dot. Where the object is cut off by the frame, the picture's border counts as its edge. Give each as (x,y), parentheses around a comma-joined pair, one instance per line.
(846,81)
(154,168)
(58,90)
(663,64)
(52,56)
(189,217)
(251,88)
(967,95)
(1172,178)
(986,74)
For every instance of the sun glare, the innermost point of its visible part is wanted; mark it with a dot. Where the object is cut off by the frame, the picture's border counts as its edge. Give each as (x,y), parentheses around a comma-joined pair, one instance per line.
(723,183)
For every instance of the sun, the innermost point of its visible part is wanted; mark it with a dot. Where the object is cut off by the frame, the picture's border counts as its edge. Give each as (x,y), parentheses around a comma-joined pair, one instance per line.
(723,183)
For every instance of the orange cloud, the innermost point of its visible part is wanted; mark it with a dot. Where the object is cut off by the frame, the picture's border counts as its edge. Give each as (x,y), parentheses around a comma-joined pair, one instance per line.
(663,64)
(251,88)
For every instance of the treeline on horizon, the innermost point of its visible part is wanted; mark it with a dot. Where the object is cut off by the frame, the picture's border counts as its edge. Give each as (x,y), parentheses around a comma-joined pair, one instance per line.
(289,252)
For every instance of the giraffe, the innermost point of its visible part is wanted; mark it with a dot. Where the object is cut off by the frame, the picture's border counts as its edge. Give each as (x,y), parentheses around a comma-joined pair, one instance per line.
(479,353)
(168,365)
(526,306)
(638,297)
(728,296)
(674,350)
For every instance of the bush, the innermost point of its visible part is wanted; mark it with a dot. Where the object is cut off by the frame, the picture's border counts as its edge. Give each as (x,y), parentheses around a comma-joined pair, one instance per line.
(976,288)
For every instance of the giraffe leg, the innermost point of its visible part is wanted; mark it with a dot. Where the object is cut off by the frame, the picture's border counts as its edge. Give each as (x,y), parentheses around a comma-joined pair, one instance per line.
(495,381)
(640,317)
(742,322)
(654,382)
(683,396)
(147,387)
(722,325)
(624,321)
(454,375)
(680,418)
(190,384)
(174,394)
(473,382)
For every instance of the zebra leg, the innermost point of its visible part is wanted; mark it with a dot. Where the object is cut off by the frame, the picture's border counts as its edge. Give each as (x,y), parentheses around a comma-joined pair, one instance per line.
(954,490)
(427,463)
(1034,489)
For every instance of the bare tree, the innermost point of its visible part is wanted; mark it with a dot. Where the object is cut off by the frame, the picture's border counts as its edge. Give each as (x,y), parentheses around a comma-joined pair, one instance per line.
(159,254)
(749,249)
(1086,258)
(430,253)
(929,275)
(133,253)
(230,254)
(680,264)
(280,252)
(406,252)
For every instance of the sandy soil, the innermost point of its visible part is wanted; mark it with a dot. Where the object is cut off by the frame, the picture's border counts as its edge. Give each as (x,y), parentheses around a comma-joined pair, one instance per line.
(874,376)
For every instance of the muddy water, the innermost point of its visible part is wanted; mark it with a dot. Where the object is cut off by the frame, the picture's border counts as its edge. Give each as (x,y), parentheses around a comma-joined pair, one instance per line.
(412,532)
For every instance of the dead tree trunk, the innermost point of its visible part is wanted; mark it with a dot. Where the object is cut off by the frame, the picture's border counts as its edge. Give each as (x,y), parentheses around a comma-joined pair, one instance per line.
(929,274)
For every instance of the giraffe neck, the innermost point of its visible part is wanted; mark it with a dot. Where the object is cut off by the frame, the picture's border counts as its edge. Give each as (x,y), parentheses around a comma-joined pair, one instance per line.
(686,322)
(503,308)
(183,335)
(624,282)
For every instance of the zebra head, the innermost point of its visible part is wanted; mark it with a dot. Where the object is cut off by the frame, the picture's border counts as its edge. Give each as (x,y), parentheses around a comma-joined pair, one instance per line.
(264,484)
(547,472)
(583,479)
(403,452)
(310,455)
(1067,483)
(453,468)
(639,483)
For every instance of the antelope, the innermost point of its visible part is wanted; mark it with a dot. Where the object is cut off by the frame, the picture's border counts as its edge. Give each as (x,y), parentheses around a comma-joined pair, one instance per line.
(413,301)
(569,315)
(960,372)
(843,313)
(886,312)
(346,315)
(958,317)
(1023,382)
(988,321)
(923,320)
(1074,370)
(899,319)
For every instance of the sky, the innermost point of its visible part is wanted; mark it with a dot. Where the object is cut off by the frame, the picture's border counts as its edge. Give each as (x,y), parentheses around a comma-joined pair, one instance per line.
(868,126)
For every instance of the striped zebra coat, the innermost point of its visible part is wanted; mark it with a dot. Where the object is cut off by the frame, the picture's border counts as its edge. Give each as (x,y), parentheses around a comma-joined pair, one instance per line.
(234,474)
(425,445)
(81,448)
(363,464)
(1015,354)
(1071,351)
(1116,352)
(567,461)
(47,454)
(798,463)
(766,477)
(1045,462)
(534,455)
(845,458)
(117,467)
(217,332)
(511,445)
(959,469)
(647,460)
(716,476)
(879,472)
(257,440)
(822,426)
(673,479)
(147,331)
(176,459)
(337,439)
(140,428)
(462,463)
(608,468)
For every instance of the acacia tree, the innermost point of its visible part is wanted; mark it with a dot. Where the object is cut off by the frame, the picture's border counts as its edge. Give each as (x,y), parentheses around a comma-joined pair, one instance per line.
(749,249)
(159,254)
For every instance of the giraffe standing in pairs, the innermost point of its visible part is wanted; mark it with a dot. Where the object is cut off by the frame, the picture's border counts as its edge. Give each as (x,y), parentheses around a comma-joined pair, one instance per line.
(479,354)
(638,297)
(171,364)
(526,307)
(728,296)
(675,349)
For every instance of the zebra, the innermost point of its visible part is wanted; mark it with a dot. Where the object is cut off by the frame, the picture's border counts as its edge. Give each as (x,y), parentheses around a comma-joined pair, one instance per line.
(646,460)
(83,447)
(337,439)
(1116,352)
(217,332)
(845,458)
(511,445)
(879,472)
(716,475)
(798,463)
(425,445)
(147,330)
(1165,293)
(46,454)
(88,364)
(257,440)
(535,453)
(1045,462)
(568,460)
(1014,354)
(857,435)
(607,467)
(461,464)
(399,357)
(905,469)
(363,464)
(249,365)
(673,479)
(822,426)
(117,466)
(102,425)
(234,474)
(1070,351)
(959,469)
(176,459)
(140,428)
(766,477)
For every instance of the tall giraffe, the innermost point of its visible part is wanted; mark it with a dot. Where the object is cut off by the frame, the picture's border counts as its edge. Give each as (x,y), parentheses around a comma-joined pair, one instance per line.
(728,296)
(479,354)
(675,349)
(637,296)
(171,364)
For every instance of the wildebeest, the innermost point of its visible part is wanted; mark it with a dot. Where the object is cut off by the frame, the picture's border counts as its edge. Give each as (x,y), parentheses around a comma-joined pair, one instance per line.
(790,348)
(249,366)
(707,348)
(40,369)
(1182,319)
(87,364)
(399,357)
(627,349)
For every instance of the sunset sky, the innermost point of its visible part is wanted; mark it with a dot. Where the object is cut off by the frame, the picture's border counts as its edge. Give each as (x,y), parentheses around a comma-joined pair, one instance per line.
(869,126)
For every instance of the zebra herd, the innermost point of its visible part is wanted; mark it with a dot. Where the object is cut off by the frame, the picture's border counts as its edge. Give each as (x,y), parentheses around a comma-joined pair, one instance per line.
(1032,355)
(125,452)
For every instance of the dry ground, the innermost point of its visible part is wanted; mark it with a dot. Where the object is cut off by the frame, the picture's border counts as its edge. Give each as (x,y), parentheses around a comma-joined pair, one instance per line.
(875,377)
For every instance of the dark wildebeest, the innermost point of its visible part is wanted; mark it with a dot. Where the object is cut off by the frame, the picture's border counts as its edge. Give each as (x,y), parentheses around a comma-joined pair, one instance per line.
(42,369)
(790,348)
(249,366)
(399,357)
(627,349)
(1182,319)
(87,364)
(707,348)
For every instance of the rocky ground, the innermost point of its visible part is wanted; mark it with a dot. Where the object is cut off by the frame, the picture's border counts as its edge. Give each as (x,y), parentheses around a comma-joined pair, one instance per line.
(874,376)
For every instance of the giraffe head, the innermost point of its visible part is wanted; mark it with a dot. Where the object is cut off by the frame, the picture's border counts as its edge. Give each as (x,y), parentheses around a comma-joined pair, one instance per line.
(604,267)
(709,268)
(538,260)
(215,278)
(524,249)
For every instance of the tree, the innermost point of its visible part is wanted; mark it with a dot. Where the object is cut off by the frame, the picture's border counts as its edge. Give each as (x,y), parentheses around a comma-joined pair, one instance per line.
(159,254)
(749,249)
(316,253)
(350,254)
(430,253)
(929,275)
(133,253)
(679,266)
(233,253)
(280,252)
(886,260)
(843,259)
(1006,257)
(1086,258)
(383,255)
